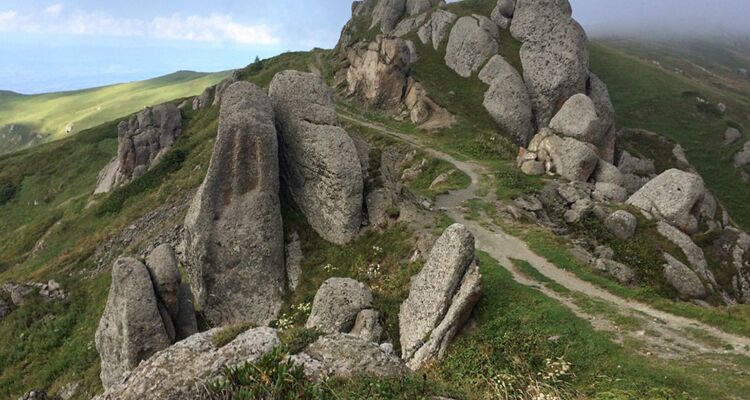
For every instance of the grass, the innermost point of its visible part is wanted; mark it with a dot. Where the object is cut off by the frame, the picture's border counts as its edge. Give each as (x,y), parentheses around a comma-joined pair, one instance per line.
(48,115)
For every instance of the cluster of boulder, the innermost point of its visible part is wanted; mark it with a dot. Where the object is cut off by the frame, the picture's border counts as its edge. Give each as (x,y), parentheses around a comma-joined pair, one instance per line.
(14,295)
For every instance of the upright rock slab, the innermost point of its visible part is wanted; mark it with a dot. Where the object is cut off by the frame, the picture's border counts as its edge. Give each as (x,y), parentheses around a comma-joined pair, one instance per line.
(131,328)
(319,161)
(507,99)
(233,230)
(472,41)
(441,298)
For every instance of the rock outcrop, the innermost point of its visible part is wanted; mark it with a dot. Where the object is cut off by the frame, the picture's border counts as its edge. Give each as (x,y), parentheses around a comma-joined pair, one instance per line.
(142,141)
(337,304)
(683,279)
(441,298)
(507,99)
(436,27)
(472,41)
(319,161)
(673,196)
(233,230)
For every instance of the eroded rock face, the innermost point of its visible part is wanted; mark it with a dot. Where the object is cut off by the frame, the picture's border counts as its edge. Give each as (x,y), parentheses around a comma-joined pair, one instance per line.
(378,72)
(578,119)
(534,19)
(319,160)
(387,13)
(183,370)
(175,298)
(622,224)
(441,297)
(205,99)
(436,28)
(572,159)
(131,329)
(673,196)
(233,230)
(347,356)
(694,254)
(683,279)
(337,304)
(472,41)
(605,110)
(142,141)
(507,99)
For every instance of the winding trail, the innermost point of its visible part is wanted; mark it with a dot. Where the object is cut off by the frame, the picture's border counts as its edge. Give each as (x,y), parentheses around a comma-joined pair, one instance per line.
(673,339)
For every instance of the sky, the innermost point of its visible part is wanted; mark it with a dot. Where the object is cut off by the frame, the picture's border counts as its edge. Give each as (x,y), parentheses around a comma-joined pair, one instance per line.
(70,44)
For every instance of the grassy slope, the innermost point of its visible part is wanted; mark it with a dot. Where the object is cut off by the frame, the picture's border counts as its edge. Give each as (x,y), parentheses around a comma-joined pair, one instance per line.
(49,114)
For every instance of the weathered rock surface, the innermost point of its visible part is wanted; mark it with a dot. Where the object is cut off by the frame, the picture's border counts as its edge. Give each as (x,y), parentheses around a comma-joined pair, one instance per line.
(673,196)
(233,230)
(319,160)
(609,193)
(605,110)
(683,279)
(608,173)
(441,297)
(742,157)
(183,370)
(507,99)
(572,159)
(347,356)
(367,326)
(619,272)
(293,261)
(622,224)
(222,87)
(472,41)
(534,19)
(630,164)
(205,99)
(732,136)
(162,266)
(378,71)
(142,141)
(387,13)
(578,119)
(502,14)
(131,329)
(694,254)
(408,25)
(436,28)
(337,304)
(414,7)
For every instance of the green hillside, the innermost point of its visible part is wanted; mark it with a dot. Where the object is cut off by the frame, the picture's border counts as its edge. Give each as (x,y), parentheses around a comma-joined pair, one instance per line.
(33,119)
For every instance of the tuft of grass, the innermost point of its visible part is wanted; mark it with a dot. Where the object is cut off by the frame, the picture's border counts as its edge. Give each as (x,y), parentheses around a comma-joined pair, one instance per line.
(229,333)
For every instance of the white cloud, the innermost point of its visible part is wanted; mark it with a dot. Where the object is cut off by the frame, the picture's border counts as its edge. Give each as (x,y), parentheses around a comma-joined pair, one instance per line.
(212,28)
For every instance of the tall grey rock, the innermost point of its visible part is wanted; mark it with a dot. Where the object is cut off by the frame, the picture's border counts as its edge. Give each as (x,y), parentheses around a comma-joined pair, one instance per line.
(441,297)
(533,20)
(387,13)
(507,99)
(142,141)
(233,230)
(378,71)
(222,87)
(472,41)
(673,196)
(131,328)
(319,161)
(435,29)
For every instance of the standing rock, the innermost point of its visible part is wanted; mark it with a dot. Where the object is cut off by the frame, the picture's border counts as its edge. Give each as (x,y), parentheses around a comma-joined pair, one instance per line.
(441,297)
(205,99)
(131,329)
(436,28)
(414,7)
(507,99)
(233,230)
(605,110)
(472,41)
(502,14)
(622,224)
(337,304)
(222,86)
(683,279)
(319,160)
(162,266)
(578,119)
(673,196)
(534,19)
(694,254)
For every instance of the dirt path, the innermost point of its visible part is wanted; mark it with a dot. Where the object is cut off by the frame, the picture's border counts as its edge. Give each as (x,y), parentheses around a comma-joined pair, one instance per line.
(664,334)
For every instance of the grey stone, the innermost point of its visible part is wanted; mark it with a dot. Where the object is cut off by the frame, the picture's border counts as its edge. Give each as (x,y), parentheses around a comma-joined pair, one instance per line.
(367,326)
(633,183)
(608,173)
(185,322)
(436,28)
(683,279)
(131,329)
(387,13)
(222,87)
(347,356)
(673,197)
(742,157)
(507,99)
(293,262)
(320,163)
(379,204)
(578,119)
(337,304)
(205,99)
(408,25)
(605,110)
(573,160)
(630,164)
(622,224)
(502,14)
(579,211)
(162,266)
(694,254)
(529,203)
(619,272)
(533,20)
(533,168)
(414,7)
(731,136)
(609,192)
(472,41)
(378,71)
(233,230)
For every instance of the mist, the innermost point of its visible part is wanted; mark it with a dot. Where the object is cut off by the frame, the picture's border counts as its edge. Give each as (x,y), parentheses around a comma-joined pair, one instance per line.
(664,19)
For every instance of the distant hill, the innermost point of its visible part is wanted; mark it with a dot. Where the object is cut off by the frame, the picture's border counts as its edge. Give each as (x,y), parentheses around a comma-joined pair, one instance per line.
(26,120)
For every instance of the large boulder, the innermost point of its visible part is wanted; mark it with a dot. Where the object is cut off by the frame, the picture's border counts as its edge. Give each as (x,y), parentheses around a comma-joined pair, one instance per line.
(183,370)
(436,28)
(131,328)
(320,165)
(441,297)
(555,68)
(142,141)
(472,41)
(387,13)
(578,119)
(503,12)
(337,304)
(742,157)
(673,196)
(694,254)
(605,110)
(621,224)
(618,271)
(222,87)
(572,159)
(732,136)
(534,19)
(233,230)
(205,99)
(378,71)
(507,99)
(683,279)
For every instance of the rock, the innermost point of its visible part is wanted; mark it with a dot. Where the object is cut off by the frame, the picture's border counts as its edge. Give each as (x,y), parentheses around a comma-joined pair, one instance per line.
(142,141)
(605,110)
(205,99)
(293,262)
(633,183)
(694,254)
(610,193)
(414,7)
(183,370)
(185,322)
(347,356)
(412,173)
(507,99)
(629,164)
(35,395)
(423,111)
(619,272)
(683,279)
(732,136)
(680,155)
(387,13)
(336,305)
(622,224)
(436,28)
(319,160)
(379,205)
(554,68)
(233,230)
(534,19)
(604,252)
(533,168)
(441,297)
(408,25)
(578,119)
(608,173)
(378,71)
(131,329)
(162,267)
(579,211)
(742,157)
(367,326)
(573,192)
(529,203)
(673,196)
(472,41)
(442,179)
(5,307)
(573,160)
(502,14)
(222,87)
